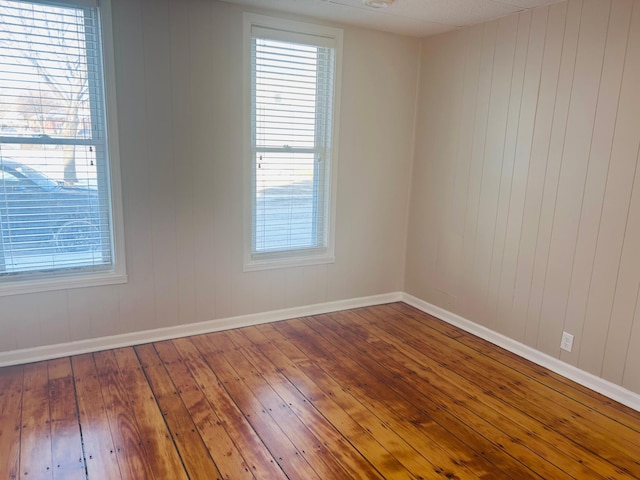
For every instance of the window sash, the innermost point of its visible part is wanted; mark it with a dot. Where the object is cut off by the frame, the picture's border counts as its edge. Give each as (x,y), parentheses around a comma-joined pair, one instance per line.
(64,229)
(290,206)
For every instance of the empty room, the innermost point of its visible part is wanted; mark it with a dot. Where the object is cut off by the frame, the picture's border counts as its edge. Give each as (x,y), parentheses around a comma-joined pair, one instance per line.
(319,239)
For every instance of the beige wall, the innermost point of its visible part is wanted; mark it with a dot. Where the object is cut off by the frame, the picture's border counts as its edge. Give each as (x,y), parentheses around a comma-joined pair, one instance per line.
(525,207)
(179,85)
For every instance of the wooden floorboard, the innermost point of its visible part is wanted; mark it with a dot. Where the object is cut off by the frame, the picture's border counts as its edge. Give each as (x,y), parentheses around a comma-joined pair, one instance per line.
(35,437)
(11,381)
(66,442)
(370,393)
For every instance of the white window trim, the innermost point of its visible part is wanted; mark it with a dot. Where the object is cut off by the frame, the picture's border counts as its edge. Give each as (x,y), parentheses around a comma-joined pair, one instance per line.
(300,257)
(62,281)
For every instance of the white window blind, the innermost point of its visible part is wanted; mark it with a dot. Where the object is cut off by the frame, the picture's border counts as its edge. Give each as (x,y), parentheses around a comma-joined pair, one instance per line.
(55,213)
(292,98)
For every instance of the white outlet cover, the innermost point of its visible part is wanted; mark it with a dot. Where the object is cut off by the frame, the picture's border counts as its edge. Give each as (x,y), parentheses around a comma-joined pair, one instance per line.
(566,342)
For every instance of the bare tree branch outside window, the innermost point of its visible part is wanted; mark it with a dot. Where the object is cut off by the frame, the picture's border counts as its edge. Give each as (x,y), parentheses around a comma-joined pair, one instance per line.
(45,93)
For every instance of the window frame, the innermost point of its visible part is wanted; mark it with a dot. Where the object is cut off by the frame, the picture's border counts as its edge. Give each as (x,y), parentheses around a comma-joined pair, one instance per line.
(294,257)
(77,278)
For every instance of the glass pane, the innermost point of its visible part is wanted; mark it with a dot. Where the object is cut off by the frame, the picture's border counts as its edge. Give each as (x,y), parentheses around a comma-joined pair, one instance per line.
(46,224)
(286,203)
(45,70)
(56,215)
(285,94)
(290,99)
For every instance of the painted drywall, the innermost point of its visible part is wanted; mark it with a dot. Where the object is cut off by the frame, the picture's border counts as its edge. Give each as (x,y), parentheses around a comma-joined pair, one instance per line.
(525,206)
(179,96)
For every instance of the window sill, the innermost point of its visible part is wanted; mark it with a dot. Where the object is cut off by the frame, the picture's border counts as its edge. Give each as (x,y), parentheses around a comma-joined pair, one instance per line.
(252,265)
(19,287)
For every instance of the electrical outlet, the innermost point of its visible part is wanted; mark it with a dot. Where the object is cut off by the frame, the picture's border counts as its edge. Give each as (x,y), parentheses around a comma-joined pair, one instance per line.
(567,341)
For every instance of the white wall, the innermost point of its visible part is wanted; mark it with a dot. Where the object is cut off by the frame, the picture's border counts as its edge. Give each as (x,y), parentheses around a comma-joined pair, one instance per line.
(179,85)
(525,208)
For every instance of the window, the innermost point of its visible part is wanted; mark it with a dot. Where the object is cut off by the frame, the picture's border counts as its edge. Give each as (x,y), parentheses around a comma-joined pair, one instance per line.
(293,90)
(58,224)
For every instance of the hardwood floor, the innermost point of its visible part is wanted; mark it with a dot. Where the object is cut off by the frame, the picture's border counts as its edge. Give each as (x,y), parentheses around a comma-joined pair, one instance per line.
(379,392)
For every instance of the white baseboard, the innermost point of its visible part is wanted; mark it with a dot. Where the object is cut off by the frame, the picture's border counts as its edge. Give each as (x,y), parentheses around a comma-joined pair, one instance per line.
(49,352)
(36,354)
(600,385)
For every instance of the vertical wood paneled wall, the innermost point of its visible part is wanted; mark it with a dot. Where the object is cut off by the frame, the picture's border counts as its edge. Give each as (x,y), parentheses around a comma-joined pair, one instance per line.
(525,208)
(179,80)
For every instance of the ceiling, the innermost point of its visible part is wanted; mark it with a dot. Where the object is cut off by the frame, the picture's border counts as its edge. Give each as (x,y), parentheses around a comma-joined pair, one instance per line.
(417,18)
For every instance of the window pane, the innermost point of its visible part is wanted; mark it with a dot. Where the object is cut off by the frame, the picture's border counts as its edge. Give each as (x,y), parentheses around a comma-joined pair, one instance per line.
(286,210)
(292,88)
(45,224)
(54,195)
(45,70)
(285,94)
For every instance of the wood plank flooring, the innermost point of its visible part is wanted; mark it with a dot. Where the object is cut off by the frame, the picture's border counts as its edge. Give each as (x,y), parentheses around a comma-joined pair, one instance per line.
(378,392)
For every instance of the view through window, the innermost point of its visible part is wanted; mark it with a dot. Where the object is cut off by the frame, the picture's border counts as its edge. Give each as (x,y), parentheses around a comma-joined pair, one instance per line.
(54,187)
(292,111)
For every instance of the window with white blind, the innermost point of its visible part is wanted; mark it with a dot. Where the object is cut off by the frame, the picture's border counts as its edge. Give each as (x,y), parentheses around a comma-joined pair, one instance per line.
(293,84)
(57,223)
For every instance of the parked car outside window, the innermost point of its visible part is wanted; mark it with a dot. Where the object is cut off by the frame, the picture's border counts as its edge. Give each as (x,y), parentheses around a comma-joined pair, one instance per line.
(40,216)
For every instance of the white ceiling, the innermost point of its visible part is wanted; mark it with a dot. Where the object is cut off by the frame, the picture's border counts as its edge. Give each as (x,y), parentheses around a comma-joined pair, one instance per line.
(417,18)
